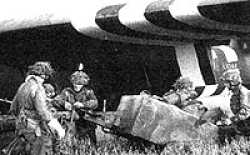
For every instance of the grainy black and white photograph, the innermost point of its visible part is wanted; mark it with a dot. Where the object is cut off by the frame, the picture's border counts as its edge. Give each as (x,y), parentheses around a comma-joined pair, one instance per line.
(125,77)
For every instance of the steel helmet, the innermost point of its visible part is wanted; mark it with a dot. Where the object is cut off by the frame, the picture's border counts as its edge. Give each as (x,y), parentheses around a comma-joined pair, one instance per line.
(41,68)
(79,77)
(183,83)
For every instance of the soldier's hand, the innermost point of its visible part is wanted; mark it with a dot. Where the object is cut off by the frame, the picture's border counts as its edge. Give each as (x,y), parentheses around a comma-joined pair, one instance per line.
(234,119)
(61,133)
(228,122)
(78,105)
(242,117)
(218,123)
(55,125)
(68,106)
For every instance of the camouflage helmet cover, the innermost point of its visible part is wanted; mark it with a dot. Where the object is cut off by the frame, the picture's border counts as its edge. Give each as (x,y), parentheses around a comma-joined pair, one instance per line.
(40,68)
(183,83)
(232,75)
(79,77)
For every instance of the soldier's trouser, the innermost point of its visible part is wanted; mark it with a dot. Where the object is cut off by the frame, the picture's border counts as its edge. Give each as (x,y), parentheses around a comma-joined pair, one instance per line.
(237,128)
(41,145)
(30,144)
(86,129)
(92,136)
(226,133)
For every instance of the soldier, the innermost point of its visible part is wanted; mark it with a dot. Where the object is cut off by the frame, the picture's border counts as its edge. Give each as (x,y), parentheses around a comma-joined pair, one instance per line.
(183,92)
(34,121)
(50,93)
(233,101)
(49,90)
(186,85)
(239,102)
(81,97)
(239,123)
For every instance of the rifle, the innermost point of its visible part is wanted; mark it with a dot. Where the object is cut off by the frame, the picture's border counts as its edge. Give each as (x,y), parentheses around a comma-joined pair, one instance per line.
(72,117)
(70,126)
(6,101)
(8,150)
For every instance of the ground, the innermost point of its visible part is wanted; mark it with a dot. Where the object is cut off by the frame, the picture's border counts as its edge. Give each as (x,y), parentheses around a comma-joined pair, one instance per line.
(111,144)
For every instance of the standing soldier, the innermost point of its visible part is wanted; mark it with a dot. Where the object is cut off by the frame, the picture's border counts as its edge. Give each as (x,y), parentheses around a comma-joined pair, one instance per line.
(34,122)
(80,97)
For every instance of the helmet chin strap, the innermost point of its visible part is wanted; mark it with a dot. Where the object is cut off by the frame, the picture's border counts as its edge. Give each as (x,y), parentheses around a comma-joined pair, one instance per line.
(234,85)
(78,88)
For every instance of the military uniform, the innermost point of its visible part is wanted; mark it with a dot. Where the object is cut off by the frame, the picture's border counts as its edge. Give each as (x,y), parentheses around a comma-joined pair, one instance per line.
(239,101)
(181,95)
(240,107)
(240,104)
(81,98)
(29,106)
(87,97)
(34,120)
(50,93)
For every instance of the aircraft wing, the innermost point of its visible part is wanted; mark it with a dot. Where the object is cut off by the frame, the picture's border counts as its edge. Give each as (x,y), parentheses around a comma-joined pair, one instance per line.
(155,22)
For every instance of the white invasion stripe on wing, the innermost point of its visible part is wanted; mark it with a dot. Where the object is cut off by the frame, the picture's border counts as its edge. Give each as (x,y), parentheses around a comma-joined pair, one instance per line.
(188,63)
(208,90)
(188,12)
(229,53)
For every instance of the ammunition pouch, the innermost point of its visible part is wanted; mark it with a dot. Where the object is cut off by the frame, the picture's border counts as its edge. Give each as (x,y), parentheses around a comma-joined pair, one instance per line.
(34,125)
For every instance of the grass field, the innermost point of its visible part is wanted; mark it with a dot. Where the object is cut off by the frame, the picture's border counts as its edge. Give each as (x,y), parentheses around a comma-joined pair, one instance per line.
(237,147)
(113,145)
(110,144)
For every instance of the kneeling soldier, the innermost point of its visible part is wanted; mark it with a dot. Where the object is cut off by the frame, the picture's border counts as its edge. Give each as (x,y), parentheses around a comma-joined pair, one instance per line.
(81,97)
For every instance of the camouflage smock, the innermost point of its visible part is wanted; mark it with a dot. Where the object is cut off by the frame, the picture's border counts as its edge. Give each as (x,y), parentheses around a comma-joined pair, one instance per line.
(30,108)
(87,97)
(240,103)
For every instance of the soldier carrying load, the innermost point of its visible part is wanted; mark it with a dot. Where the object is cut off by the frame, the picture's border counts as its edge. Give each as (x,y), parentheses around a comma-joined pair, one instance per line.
(34,121)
